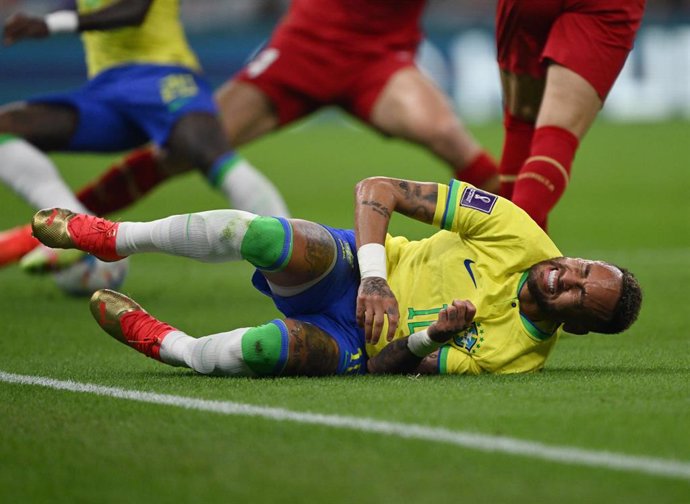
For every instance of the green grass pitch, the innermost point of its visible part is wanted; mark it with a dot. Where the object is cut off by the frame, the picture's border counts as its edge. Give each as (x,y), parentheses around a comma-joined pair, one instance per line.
(626,394)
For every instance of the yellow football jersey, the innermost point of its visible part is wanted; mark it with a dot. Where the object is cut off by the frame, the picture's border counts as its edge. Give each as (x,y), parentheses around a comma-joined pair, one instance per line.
(482,254)
(159,40)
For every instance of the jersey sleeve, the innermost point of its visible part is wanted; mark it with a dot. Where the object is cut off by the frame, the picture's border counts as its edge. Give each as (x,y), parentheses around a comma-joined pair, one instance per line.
(464,209)
(454,361)
(479,215)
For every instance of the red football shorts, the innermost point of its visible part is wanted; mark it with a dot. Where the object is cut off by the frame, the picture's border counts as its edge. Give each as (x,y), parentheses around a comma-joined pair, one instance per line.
(590,37)
(300,74)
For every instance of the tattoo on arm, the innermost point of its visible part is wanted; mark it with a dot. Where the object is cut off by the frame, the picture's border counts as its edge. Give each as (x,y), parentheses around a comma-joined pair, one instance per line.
(418,200)
(429,364)
(394,358)
(378,207)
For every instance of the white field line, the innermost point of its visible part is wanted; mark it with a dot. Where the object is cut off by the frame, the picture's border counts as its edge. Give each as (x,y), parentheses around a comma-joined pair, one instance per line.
(563,454)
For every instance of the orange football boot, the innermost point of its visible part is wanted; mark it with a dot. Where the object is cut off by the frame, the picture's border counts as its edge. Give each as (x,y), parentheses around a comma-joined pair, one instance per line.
(15,243)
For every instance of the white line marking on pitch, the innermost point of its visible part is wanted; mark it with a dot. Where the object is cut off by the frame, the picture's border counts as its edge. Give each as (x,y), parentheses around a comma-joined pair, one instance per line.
(563,454)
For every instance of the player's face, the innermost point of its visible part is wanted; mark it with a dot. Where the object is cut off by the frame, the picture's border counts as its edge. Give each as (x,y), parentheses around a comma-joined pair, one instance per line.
(575,291)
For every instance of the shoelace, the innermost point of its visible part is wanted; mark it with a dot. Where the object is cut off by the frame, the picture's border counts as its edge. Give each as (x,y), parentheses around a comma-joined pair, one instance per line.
(93,233)
(145,329)
(99,231)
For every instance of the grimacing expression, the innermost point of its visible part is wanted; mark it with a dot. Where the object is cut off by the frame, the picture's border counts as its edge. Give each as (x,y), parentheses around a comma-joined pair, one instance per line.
(576,291)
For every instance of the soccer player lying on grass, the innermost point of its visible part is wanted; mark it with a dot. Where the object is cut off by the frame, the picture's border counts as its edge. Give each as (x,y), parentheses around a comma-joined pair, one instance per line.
(489,292)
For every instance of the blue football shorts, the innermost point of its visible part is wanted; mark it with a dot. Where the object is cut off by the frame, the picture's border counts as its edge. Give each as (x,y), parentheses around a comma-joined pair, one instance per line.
(127,106)
(330,304)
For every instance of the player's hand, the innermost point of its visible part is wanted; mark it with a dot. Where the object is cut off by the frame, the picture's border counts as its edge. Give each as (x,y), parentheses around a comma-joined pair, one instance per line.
(452,320)
(20,26)
(375,300)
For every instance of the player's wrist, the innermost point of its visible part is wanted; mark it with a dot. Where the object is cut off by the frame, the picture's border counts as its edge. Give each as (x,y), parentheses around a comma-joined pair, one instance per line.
(421,345)
(64,21)
(372,260)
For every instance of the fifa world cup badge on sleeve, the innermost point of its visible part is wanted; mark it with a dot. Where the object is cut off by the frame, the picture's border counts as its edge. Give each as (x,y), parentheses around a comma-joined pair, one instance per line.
(478,199)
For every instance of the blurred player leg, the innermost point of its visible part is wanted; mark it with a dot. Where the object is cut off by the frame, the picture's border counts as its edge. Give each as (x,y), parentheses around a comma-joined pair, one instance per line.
(15,243)
(516,147)
(124,183)
(412,107)
(569,107)
(246,187)
(28,171)
(246,113)
(522,95)
(585,45)
(23,167)
(199,139)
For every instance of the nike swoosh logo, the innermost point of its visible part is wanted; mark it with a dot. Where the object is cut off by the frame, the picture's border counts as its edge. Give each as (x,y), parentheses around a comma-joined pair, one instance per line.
(468,266)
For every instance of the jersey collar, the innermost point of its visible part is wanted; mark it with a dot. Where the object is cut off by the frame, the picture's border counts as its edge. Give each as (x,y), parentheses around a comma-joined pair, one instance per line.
(529,326)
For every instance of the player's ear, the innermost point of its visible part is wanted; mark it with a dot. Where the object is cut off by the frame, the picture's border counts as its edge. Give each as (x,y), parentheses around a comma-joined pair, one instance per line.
(575,328)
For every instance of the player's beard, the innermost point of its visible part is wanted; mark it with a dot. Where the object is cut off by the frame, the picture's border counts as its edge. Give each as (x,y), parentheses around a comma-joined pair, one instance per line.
(535,290)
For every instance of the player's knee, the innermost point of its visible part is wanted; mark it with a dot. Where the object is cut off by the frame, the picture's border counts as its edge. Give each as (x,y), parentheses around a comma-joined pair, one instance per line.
(268,243)
(445,130)
(265,348)
(198,138)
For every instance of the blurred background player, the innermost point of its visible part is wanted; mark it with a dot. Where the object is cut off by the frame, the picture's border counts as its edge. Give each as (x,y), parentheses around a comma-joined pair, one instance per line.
(144,85)
(491,288)
(558,62)
(358,55)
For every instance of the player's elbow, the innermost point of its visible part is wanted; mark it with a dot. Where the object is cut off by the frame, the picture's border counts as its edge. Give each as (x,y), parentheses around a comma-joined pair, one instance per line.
(374,367)
(372,185)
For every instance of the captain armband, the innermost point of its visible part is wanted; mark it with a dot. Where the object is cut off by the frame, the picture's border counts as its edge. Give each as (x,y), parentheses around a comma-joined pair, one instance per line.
(372,260)
(421,345)
(64,21)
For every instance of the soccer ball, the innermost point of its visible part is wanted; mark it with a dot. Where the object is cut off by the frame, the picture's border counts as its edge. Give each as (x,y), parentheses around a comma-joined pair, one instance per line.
(89,274)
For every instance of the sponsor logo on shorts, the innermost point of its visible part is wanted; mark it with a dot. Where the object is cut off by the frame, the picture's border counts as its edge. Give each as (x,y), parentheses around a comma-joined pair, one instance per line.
(478,199)
(353,362)
(347,253)
(177,89)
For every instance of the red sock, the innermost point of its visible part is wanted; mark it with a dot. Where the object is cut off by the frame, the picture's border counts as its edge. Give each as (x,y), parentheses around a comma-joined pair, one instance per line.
(123,183)
(545,174)
(516,147)
(479,171)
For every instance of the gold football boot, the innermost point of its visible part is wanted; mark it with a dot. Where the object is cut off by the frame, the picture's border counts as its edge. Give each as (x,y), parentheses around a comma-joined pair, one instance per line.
(126,321)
